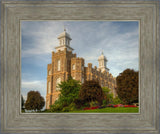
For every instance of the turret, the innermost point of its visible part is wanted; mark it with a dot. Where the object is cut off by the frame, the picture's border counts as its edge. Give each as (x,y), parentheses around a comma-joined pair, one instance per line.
(102,63)
(64,42)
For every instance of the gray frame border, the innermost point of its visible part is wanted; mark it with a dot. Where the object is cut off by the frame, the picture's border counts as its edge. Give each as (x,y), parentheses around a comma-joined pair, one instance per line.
(146,12)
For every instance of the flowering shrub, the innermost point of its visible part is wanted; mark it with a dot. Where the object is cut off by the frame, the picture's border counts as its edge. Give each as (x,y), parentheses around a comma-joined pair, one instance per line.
(91,108)
(119,105)
(110,105)
(130,106)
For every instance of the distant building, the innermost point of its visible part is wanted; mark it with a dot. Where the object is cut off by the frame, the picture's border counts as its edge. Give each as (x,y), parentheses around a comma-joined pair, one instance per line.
(65,64)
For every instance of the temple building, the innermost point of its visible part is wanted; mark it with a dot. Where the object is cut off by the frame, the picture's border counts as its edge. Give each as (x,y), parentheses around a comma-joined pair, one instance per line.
(65,64)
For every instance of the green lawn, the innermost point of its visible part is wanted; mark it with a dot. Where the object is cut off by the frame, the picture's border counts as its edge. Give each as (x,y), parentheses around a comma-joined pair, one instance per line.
(104,110)
(110,110)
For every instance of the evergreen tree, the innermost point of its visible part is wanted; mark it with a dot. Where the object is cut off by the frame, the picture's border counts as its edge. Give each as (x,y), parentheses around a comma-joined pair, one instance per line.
(69,91)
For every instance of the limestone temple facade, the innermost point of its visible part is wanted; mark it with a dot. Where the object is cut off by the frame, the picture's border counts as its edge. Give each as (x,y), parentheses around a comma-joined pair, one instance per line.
(65,64)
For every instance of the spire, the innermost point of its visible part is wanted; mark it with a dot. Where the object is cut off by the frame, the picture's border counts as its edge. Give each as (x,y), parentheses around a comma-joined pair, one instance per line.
(102,52)
(64,41)
(64,28)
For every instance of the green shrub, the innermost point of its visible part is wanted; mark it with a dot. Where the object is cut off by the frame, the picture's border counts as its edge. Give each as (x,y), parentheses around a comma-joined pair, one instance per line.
(71,107)
(94,103)
(56,108)
(108,96)
(116,101)
(104,103)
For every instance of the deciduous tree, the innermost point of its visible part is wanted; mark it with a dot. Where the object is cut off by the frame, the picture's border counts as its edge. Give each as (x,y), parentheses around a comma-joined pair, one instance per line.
(34,101)
(127,86)
(91,91)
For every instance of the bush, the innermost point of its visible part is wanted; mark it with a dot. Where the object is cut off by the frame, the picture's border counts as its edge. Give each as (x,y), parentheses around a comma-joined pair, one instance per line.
(104,103)
(94,103)
(71,107)
(107,95)
(79,103)
(116,101)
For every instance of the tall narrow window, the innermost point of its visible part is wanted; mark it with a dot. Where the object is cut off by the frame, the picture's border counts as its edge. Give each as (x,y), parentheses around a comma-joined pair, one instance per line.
(59,65)
(73,67)
(58,82)
(48,103)
(49,72)
(82,68)
(82,80)
(49,87)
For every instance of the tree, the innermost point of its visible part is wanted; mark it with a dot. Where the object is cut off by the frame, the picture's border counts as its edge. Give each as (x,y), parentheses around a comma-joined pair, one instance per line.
(34,101)
(69,91)
(127,86)
(91,91)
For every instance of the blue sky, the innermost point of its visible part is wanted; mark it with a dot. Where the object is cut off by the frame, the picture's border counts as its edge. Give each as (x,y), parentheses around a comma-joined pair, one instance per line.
(119,41)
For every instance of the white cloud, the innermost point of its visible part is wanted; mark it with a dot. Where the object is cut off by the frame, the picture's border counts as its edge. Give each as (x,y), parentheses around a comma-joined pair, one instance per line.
(44,39)
(27,86)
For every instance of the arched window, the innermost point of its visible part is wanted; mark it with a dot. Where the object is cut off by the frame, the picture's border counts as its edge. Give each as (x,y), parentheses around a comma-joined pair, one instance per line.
(59,65)
(58,82)
(73,67)
(49,87)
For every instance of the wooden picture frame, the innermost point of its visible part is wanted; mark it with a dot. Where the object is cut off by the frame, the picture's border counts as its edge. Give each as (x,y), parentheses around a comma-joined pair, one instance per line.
(146,121)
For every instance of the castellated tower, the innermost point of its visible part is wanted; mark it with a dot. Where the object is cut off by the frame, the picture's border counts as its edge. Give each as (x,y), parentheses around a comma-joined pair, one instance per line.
(60,68)
(65,64)
(102,63)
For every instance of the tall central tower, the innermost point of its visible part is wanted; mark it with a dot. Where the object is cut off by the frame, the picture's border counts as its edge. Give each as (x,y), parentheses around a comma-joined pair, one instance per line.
(64,42)
(60,67)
